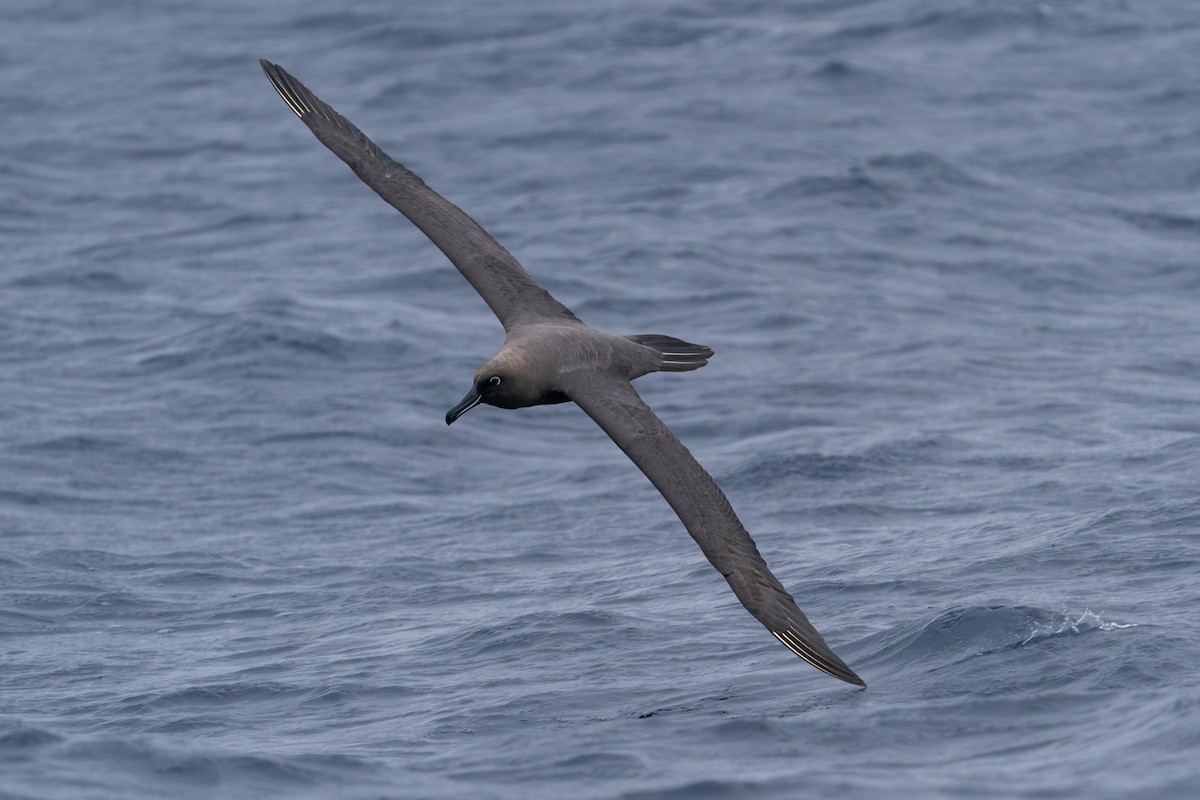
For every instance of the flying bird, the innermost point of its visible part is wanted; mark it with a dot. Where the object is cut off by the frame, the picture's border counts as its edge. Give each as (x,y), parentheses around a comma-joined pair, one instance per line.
(550,356)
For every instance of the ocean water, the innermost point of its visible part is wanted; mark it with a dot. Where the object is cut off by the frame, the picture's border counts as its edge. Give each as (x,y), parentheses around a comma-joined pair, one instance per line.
(946,253)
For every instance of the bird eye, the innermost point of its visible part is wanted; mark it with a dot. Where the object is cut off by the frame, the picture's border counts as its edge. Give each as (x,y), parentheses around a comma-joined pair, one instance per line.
(495,380)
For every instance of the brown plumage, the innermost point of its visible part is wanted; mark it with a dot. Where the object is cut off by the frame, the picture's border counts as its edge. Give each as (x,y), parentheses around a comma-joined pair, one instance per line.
(550,356)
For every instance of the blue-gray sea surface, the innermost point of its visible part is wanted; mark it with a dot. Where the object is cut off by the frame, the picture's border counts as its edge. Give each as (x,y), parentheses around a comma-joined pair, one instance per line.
(946,253)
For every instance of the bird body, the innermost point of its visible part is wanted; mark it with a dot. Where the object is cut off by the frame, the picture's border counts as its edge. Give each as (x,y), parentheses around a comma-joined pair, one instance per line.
(550,356)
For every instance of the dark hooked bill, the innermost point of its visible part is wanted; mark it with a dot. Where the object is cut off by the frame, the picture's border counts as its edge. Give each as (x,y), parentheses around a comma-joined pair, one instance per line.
(472,399)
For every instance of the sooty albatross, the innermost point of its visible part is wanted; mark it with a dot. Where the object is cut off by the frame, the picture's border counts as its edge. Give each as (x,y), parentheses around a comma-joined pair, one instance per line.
(550,356)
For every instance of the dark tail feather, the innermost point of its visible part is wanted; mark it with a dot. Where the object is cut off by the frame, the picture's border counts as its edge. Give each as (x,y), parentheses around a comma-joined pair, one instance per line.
(676,354)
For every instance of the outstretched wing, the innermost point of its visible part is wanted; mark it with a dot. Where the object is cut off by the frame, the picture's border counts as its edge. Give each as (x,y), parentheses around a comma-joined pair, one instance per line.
(499,278)
(705,512)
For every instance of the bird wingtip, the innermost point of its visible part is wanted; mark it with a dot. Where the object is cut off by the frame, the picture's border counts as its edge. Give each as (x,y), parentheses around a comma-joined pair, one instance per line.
(827,661)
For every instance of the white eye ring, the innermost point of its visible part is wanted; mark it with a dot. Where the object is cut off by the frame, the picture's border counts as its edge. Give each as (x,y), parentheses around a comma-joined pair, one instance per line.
(495,380)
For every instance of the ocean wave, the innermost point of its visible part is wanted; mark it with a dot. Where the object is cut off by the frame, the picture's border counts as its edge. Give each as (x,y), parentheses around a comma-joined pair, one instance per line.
(239,342)
(965,633)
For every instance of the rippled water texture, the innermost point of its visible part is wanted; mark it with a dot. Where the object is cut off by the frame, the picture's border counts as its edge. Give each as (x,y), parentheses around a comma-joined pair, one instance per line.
(946,253)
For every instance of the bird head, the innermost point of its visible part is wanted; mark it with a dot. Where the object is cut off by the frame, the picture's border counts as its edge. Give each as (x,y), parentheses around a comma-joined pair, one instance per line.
(498,383)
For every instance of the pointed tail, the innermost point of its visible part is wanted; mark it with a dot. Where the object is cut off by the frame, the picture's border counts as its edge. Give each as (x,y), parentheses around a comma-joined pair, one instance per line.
(676,355)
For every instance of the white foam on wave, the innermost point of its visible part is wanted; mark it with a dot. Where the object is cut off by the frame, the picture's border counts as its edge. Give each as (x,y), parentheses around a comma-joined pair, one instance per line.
(1070,624)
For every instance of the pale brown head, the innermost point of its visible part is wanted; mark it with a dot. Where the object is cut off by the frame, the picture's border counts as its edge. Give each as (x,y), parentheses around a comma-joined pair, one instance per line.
(505,382)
